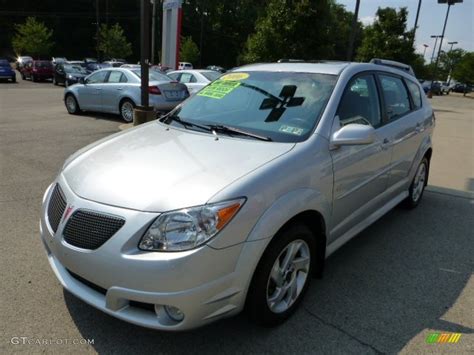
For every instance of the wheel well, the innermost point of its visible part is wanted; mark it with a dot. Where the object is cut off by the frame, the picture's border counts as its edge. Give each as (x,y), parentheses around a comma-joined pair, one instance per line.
(314,221)
(428,154)
(126,99)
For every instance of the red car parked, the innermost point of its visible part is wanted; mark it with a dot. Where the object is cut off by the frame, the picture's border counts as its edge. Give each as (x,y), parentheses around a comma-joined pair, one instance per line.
(37,70)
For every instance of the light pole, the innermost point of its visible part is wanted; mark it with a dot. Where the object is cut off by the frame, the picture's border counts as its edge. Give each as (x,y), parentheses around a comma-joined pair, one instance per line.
(449,2)
(451,64)
(353,33)
(434,47)
(97,24)
(416,22)
(424,50)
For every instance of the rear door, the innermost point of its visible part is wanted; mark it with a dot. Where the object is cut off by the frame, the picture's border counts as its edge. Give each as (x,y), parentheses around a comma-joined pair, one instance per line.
(90,93)
(191,82)
(112,91)
(405,120)
(360,171)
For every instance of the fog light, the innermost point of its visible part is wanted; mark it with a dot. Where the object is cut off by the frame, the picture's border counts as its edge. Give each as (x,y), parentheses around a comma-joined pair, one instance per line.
(174,313)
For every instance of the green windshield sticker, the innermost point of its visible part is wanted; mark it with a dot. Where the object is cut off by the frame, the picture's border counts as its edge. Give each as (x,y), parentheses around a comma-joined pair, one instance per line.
(291,130)
(219,89)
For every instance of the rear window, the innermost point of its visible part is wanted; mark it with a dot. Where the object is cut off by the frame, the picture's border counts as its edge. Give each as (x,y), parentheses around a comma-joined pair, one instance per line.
(153,75)
(211,75)
(4,63)
(43,64)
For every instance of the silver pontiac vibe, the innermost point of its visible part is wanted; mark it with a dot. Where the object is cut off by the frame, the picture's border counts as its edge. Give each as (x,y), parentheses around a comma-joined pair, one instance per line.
(235,198)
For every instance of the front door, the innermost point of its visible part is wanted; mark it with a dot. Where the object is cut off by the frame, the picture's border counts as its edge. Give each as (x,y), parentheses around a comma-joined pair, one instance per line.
(112,91)
(90,93)
(360,171)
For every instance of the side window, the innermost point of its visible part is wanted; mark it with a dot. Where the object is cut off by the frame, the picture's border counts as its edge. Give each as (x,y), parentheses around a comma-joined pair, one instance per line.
(415,93)
(115,77)
(123,78)
(360,102)
(396,97)
(97,78)
(187,78)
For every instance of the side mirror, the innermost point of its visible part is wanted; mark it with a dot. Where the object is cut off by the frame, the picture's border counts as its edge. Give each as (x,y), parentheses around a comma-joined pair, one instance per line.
(353,134)
(82,81)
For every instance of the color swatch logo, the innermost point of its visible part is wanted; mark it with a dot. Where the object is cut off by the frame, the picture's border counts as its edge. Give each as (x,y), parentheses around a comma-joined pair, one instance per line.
(433,338)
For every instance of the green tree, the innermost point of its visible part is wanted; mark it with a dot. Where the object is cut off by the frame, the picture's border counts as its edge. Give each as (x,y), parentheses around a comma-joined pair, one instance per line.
(189,51)
(388,37)
(32,38)
(112,42)
(464,69)
(300,29)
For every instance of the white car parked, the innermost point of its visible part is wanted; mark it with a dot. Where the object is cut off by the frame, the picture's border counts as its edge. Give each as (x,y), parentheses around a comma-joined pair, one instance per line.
(195,80)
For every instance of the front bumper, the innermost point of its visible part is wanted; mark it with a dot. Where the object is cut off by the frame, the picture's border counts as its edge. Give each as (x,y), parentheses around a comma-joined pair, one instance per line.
(205,284)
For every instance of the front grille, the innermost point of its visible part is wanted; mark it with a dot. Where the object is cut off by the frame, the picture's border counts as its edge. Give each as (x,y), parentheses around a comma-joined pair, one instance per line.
(89,230)
(56,207)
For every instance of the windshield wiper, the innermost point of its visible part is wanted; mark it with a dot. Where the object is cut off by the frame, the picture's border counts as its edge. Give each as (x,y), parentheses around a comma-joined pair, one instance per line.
(233,130)
(184,123)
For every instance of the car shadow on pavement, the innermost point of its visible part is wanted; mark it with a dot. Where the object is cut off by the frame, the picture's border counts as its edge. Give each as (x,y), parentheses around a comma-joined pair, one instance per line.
(102,116)
(397,280)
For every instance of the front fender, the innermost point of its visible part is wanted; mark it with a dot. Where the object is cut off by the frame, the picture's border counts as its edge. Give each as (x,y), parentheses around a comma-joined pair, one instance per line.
(287,207)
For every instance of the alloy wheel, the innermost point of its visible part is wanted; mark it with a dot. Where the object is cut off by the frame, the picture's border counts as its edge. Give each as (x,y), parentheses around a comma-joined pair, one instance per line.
(71,104)
(127,111)
(288,276)
(419,182)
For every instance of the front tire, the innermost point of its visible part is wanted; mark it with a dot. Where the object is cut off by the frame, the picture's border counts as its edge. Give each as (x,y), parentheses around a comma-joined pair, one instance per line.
(282,276)
(126,110)
(72,105)
(417,187)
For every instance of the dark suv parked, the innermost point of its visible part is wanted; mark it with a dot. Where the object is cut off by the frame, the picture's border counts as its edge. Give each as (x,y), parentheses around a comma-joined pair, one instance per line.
(68,74)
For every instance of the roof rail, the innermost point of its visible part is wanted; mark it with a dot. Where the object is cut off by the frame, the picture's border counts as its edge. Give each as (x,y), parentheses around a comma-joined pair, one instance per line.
(393,64)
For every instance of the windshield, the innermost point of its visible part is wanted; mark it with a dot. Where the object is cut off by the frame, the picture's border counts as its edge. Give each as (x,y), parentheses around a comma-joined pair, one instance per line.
(211,75)
(76,69)
(153,75)
(283,106)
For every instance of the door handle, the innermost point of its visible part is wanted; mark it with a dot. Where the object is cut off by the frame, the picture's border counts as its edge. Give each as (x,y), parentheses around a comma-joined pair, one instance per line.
(385,144)
(419,128)
(119,89)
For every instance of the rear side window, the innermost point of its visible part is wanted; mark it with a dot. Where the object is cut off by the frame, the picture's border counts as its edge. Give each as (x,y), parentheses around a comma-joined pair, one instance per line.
(187,78)
(415,93)
(115,77)
(360,102)
(396,97)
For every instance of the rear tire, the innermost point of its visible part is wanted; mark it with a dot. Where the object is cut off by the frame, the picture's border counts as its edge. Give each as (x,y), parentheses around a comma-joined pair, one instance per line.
(72,106)
(33,78)
(14,79)
(282,276)
(55,83)
(417,187)
(126,110)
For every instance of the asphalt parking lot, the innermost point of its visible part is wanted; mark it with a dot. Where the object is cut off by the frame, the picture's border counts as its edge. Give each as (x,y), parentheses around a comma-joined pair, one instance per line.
(408,275)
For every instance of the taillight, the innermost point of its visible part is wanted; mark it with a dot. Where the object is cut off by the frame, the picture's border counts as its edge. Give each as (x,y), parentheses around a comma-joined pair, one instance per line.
(154,90)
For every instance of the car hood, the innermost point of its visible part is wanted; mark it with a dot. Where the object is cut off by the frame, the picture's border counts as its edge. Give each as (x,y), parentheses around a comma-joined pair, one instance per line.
(159,168)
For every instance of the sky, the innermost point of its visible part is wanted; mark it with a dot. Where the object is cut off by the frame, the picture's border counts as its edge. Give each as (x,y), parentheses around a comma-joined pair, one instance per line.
(459,27)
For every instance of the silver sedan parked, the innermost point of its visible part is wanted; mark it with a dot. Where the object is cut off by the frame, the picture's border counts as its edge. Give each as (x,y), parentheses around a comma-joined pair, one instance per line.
(239,194)
(117,90)
(195,80)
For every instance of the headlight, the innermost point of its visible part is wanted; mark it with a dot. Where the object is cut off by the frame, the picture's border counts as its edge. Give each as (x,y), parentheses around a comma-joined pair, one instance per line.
(190,227)
(69,76)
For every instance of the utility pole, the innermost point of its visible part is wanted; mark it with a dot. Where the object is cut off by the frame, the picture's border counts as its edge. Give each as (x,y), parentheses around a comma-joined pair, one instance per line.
(350,50)
(107,12)
(416,22)
(153,30)
(97,28)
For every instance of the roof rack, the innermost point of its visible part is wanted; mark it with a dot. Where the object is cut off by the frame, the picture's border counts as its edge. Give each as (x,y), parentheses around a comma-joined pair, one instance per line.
(393,64)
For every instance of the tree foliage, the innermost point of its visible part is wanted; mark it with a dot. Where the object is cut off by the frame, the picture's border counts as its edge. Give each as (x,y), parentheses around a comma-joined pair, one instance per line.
(32,38)
(300,29)
(112,42)
(464,69)
(189,51)
(388,37)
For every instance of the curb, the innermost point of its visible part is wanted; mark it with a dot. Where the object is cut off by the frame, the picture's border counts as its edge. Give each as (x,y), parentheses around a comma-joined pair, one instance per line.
(125,126)
(450,192)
